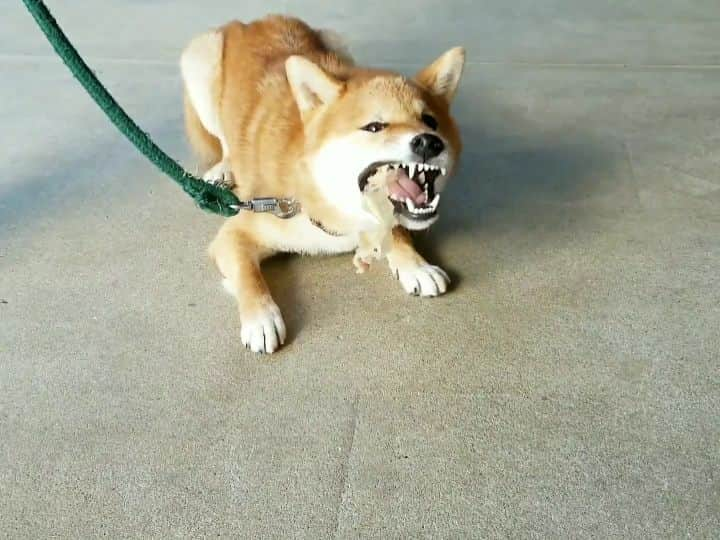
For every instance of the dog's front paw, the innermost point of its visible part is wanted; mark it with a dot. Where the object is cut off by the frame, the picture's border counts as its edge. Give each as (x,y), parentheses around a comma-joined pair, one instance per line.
(422,279)
(263,331)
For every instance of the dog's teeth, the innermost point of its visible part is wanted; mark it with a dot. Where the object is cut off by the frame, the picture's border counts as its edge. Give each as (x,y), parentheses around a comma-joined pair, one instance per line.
(443,171)
(410,204)
(421,177)
(411,169)
(435,201)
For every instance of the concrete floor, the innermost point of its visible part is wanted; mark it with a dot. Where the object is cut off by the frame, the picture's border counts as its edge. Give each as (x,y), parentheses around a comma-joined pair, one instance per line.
(568,387)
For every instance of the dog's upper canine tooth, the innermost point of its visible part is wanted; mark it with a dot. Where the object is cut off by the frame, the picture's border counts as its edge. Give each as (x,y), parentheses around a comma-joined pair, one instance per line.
(421,178)
(443,171)
(411,170)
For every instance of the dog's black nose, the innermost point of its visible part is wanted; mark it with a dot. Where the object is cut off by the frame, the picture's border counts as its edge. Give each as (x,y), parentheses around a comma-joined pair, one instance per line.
(427,145)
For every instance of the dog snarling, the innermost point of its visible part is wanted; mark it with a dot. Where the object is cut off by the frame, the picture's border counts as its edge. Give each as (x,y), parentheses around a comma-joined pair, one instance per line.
(410,186)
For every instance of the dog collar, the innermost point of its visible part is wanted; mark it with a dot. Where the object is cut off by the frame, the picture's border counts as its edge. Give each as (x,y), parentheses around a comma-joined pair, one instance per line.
(323,229)
(282,208)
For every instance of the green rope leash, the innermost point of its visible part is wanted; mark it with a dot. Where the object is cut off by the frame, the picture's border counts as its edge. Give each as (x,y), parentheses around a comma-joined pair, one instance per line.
(208,196)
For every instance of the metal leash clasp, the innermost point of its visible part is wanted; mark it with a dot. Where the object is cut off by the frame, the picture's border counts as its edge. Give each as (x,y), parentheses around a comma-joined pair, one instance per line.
(287,208)
(282,208)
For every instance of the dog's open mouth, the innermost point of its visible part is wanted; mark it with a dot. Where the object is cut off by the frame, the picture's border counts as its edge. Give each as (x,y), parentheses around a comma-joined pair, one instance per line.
(411,187)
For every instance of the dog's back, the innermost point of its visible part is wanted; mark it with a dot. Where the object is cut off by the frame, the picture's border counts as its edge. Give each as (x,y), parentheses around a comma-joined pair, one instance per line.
(237,92)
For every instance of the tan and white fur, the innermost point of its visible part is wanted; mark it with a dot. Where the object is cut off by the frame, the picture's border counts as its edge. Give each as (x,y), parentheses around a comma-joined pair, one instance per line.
(281,110)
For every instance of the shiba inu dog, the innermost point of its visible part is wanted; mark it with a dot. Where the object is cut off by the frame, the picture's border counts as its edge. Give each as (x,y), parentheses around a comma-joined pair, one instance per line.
(281,110)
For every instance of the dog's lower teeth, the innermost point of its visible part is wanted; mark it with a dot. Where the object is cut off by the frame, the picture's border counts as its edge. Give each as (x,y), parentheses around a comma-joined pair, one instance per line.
(435,202)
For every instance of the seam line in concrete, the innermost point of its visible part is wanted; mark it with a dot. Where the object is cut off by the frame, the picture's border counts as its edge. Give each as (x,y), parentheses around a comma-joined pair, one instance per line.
(631,165)
(344,471)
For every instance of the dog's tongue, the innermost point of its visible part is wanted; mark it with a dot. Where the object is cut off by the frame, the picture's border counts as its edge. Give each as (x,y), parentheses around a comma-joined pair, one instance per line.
(404,188)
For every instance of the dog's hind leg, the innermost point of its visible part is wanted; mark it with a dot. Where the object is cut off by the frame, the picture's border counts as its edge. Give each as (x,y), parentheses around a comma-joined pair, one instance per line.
(201,67)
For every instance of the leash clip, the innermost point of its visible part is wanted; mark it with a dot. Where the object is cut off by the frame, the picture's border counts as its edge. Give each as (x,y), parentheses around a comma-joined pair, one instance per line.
(282,208)
(286,208)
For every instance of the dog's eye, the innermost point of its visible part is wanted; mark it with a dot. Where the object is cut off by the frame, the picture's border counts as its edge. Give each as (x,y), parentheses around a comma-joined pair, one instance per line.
(374,127)
(429,120)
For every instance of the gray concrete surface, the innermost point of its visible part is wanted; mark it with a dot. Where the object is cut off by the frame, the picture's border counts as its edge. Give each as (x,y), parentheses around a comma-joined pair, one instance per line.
(567,388)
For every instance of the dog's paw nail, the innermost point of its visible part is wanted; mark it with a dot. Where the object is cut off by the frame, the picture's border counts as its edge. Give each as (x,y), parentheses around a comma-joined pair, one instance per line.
(263,331)
(423,280)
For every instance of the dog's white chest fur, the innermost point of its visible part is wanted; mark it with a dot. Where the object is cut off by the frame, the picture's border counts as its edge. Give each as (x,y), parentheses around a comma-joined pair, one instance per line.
(306,237)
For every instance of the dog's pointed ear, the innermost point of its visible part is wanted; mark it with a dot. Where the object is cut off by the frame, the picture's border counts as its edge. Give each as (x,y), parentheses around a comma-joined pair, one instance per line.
(441,77)
(310,85)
